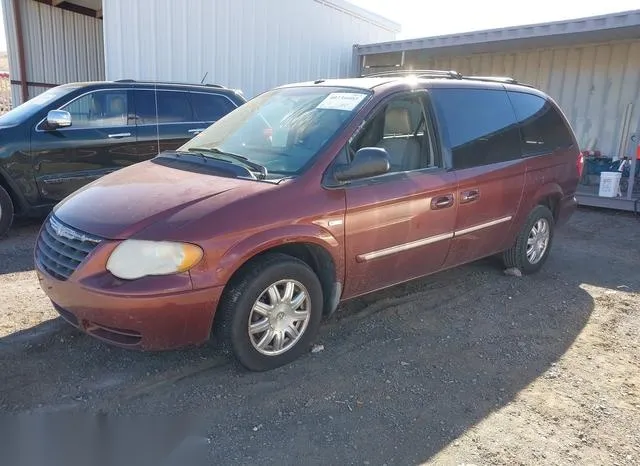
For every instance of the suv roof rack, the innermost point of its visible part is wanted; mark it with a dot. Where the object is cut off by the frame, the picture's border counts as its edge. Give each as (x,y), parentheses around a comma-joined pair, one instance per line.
(419,73)
(167,82)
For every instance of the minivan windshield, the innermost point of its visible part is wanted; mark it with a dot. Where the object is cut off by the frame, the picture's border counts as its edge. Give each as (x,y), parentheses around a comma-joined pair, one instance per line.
(32,106)
(281,130)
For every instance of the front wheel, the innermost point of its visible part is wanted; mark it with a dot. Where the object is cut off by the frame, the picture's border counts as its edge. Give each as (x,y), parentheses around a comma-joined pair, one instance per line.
(533,242)
(6,211)
(271,313)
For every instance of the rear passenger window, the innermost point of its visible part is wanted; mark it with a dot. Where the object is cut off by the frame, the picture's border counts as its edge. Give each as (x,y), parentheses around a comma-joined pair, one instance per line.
(174,107)
(210,107)
(543,128)
(480,125)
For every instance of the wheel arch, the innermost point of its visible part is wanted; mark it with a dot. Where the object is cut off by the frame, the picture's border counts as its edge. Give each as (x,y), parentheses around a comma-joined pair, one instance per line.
(549,196)
(19,205)
(316,247)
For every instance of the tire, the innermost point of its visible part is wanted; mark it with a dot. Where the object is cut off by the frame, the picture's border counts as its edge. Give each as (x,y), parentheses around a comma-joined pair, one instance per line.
(517,256)
(6,211)
(236,310)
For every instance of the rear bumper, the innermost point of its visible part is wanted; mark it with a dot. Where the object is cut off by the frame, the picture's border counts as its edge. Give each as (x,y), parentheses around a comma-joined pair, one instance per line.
(157,320)
(567,206)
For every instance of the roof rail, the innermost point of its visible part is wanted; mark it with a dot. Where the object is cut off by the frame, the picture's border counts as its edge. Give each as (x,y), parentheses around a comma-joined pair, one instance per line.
(419,73)
(497,79)
(167,82)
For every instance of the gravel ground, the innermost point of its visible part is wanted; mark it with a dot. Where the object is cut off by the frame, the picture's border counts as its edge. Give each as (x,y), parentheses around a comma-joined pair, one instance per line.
(465,367)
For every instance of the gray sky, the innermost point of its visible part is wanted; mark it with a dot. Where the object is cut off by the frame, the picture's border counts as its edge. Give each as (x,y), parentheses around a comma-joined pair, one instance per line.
(423,18)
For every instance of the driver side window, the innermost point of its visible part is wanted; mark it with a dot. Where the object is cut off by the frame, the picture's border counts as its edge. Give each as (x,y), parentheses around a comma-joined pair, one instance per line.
(402,128)
(104,109)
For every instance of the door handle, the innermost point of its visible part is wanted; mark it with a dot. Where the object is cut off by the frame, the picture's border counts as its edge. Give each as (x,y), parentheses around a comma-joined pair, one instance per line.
(469,196)
(196,130)
(442,202)
(119,135)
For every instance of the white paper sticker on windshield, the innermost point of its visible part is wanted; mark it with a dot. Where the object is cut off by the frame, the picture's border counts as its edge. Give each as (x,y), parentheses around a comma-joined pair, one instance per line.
(341,101)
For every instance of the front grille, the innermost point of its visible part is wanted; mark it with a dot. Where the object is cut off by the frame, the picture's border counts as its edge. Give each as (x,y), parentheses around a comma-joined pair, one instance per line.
(61,248)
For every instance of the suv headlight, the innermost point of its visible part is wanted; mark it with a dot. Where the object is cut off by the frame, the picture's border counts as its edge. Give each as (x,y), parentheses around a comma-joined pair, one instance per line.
(134,259)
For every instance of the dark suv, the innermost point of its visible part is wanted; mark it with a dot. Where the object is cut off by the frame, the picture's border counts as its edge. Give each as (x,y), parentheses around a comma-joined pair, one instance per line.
(309,195)
(70,135)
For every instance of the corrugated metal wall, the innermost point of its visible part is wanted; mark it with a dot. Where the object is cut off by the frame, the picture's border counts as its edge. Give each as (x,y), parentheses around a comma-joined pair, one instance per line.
(60,46)
(594,84)
(250,44)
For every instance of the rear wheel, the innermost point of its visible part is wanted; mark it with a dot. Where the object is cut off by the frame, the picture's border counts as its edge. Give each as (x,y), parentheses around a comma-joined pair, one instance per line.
(271,313)
(533,243)
(6,211)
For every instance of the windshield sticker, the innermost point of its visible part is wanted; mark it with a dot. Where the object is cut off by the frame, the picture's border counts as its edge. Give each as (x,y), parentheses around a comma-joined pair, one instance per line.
(341,101)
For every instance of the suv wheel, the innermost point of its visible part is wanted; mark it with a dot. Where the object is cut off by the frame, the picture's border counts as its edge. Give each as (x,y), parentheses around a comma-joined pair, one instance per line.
(6,211)
(533,242)
(270,315)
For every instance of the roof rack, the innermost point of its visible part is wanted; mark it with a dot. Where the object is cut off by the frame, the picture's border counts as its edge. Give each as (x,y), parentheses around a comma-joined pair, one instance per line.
(497,79)
(418,73)
(168,82)
(445,74)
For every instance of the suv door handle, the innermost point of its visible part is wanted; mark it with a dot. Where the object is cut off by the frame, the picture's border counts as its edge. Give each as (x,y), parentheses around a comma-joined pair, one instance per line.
(442,202)
(470,196)
(119,135)
(196,130)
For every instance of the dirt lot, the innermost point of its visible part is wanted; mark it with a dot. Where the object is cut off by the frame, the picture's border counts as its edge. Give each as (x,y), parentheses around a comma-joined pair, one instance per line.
(466,367)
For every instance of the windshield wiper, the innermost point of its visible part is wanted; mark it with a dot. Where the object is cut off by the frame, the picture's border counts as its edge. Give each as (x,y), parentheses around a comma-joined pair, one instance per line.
(240,158)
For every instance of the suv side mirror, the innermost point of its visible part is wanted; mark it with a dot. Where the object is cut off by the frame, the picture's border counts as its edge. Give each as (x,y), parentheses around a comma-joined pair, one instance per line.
(58,119)
(368,161)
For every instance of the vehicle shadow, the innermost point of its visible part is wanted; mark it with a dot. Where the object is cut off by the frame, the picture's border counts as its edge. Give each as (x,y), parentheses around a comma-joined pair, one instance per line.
(403,373)
(16,247)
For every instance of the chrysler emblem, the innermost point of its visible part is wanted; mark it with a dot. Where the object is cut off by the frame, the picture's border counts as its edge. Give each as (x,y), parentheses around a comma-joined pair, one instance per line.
(64,231)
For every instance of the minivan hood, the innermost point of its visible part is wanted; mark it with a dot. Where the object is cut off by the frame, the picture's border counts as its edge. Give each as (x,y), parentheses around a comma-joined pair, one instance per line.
(123,203)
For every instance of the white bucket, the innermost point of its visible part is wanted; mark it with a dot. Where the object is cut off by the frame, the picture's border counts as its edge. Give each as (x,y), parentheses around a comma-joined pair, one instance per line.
(610,184)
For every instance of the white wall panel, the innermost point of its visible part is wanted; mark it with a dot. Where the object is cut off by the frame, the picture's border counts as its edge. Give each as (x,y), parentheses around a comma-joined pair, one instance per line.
(593,83)
(253,45)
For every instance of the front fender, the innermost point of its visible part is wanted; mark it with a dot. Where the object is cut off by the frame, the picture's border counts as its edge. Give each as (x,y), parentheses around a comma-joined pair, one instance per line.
(242,251)
(15,187)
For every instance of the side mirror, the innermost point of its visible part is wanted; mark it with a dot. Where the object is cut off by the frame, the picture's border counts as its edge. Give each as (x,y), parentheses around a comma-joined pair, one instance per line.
(58,119)
(368,161)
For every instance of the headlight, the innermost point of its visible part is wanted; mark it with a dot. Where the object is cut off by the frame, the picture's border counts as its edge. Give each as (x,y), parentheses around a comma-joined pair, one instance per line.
(136,258)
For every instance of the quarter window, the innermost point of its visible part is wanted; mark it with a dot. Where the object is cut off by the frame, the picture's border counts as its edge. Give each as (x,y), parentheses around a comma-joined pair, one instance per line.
(543,128)
(99,109)
(480,126)
(210,107)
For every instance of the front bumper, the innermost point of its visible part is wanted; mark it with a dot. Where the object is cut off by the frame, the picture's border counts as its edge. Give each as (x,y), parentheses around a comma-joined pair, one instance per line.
(153,319)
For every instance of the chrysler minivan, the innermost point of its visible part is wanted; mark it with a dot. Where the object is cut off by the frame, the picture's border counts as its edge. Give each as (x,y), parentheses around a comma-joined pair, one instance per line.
(308,195)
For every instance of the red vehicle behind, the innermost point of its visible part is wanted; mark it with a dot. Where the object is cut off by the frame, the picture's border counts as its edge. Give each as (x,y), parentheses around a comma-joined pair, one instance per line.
(308,195)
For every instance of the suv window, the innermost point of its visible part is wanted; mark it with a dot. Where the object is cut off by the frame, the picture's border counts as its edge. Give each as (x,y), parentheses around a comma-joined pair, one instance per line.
(106,108)
(173,107)
(401,127)
(543,128)
(480,125)
(210,107)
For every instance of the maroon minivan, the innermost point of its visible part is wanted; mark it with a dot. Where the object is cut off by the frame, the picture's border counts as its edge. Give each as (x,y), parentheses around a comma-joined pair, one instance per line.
(308,195)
